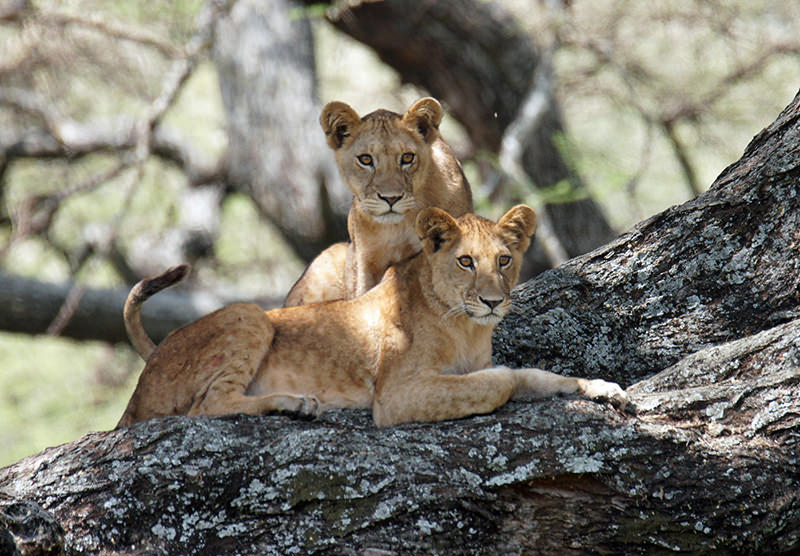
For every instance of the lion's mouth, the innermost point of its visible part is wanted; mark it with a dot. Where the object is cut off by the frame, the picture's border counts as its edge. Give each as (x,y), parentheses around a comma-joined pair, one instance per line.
(383,211)
(492,316)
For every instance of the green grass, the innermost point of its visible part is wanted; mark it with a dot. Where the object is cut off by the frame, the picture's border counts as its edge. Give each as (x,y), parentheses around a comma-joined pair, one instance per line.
(54,390)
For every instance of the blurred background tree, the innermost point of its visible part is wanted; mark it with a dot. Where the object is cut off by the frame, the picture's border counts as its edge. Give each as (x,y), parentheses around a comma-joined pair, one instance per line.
(137,135)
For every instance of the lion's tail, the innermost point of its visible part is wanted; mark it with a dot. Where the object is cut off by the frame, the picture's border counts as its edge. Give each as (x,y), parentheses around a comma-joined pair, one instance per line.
(140,293)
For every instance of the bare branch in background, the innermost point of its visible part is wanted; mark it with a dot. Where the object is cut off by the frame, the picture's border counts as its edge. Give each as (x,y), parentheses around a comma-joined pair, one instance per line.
(643,88)
(135,140)
(113,30)
(682,155)
(512,147)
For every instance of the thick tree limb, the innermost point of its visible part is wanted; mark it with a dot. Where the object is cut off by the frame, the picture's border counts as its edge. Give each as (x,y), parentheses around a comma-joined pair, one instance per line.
(689,473)
(717,268)
(29,306)
(277,152)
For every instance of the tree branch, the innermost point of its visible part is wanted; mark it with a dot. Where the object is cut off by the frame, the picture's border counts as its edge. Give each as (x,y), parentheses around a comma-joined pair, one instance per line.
(112,29)
(30,306)
(687,474)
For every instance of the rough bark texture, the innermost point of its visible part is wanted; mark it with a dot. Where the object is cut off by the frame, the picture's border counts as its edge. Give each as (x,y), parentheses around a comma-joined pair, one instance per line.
(719,267)
(277,151)
(473,56)
(708,462)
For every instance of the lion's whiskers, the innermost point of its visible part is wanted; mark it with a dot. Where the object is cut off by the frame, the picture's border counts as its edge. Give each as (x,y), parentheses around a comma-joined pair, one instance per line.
(454,311)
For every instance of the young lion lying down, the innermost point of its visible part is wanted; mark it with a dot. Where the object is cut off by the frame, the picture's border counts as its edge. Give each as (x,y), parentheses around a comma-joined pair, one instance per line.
(417,347)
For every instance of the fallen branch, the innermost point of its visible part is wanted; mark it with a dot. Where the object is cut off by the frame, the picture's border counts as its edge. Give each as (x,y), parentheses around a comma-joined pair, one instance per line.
(30,306)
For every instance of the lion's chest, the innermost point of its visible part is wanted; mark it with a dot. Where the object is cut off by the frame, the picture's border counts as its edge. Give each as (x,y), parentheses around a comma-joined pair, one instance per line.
(372,253)
(460,351)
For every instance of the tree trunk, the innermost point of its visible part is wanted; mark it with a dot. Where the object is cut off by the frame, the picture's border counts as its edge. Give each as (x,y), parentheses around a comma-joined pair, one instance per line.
(277,151)
(707,462)
(473,56)
(719,267)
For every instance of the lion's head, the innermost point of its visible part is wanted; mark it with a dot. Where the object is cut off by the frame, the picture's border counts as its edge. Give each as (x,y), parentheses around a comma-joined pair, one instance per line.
(475,262)
(383,157)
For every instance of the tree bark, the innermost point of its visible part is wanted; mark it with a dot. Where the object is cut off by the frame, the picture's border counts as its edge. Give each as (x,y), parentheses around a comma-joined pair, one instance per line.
(277,152)
(702,300)
(709,464)
(474,56)
(719,267)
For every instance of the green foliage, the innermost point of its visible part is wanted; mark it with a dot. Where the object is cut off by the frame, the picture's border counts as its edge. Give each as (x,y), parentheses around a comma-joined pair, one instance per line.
(54,390)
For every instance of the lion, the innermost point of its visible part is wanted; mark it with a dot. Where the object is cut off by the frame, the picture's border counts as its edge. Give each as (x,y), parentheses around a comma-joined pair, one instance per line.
(395,165)
(416,347)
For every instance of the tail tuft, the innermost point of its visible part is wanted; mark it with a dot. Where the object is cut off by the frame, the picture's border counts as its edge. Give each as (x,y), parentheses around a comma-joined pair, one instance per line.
(140,293)
(151,286)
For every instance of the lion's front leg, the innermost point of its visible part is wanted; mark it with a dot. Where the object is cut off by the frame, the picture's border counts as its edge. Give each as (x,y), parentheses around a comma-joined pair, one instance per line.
(323,280)
(435,397)
(536,383)
(223,403)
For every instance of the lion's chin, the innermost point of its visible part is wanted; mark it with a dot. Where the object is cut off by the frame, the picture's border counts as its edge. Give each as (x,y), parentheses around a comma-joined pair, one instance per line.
(388,217)
(487,320)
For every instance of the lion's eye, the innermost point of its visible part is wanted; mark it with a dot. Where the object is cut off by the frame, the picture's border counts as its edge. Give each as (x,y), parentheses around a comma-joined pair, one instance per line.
(504,260)
(465,261)
(407,158)
(365,159)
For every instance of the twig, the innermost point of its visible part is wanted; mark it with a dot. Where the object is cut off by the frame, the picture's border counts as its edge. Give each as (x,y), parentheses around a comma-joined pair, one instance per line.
(682,156)
(67,310)
(112,29)
(644,161)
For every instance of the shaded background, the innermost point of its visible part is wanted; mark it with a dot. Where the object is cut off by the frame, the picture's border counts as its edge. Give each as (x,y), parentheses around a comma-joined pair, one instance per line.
(134,136)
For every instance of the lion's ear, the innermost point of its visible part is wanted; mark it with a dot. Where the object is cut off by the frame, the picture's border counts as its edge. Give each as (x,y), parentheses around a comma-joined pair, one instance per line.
(517,226)
(339,122)
(435,228)
(424,116)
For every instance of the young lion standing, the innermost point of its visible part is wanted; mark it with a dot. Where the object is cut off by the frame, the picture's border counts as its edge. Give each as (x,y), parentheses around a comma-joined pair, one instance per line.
(417,347)
(395,166)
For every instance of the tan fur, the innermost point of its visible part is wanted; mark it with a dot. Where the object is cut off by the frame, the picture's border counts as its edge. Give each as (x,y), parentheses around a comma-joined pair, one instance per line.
(417,347)
(132,312)
(382,233)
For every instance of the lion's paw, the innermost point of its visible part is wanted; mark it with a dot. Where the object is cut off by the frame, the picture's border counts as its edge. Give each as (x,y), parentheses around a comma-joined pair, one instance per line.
(601,390)
(308,407)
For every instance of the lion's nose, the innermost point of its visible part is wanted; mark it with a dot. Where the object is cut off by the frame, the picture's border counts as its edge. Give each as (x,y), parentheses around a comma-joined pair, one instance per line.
(390,199)
(491,303)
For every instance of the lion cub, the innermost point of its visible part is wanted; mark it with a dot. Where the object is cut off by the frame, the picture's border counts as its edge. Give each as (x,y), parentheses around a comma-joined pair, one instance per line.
(395,165)
(417,347)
